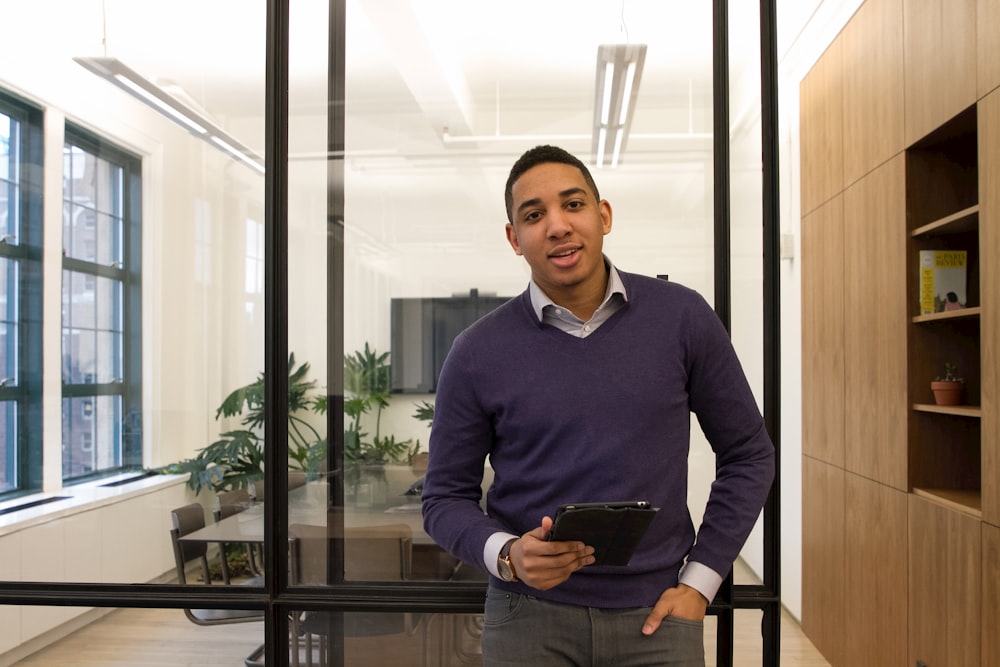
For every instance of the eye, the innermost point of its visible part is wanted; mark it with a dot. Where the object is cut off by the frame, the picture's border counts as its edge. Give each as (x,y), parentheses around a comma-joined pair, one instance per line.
(574,204)
(532,216)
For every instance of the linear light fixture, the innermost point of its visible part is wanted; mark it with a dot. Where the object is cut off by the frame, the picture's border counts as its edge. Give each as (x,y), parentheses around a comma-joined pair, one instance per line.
(619,68)
(123,76)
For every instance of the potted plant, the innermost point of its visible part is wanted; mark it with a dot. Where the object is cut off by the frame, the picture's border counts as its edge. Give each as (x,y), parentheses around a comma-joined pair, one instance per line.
(948,388)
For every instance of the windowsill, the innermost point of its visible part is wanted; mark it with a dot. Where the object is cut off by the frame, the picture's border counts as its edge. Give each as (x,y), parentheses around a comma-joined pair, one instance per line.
(79,498)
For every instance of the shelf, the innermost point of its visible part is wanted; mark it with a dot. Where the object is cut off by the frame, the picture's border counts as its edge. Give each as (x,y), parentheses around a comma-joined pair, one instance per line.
(961,222)
(964,313)
(961,500)
(973,411)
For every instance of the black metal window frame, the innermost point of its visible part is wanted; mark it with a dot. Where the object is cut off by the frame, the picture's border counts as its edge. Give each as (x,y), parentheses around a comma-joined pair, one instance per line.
(276,598)
(20,394)
(125,274)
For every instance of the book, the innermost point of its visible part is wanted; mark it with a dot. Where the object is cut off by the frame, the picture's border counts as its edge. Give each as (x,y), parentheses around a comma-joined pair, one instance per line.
(942,280)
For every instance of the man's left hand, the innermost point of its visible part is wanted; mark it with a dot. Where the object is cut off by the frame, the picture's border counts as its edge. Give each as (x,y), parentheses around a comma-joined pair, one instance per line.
(682,602)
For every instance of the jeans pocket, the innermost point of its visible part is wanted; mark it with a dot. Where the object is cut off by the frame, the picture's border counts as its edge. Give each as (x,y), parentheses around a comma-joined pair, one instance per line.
(501,606)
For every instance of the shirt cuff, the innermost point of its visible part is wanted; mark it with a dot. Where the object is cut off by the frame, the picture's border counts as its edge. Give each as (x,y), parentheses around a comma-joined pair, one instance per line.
(700,577)
(492,551)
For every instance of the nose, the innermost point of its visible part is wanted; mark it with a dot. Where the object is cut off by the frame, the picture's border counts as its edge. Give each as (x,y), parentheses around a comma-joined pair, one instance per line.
(559,224)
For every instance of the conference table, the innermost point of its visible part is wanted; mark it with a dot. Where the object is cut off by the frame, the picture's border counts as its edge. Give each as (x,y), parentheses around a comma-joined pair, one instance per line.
(309,506)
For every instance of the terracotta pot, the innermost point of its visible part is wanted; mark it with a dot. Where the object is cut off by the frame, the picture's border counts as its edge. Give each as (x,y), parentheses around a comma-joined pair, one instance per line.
(947,393)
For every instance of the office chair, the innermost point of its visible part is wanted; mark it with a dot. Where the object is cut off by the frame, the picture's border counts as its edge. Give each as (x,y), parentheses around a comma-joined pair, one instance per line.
(188,519)
(227,504)
(371,553)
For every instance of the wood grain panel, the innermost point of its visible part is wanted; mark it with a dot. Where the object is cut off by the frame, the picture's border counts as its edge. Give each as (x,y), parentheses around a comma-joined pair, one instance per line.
(940,62)
(876,555)
(824,610)
(823,333)
(873,87)
(991,596)
(821,130)
(944,581)
(989,279)
(875,321)
(988,45)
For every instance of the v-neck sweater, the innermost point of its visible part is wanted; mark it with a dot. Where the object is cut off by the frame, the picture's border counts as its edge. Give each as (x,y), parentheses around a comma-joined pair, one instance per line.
(603,418)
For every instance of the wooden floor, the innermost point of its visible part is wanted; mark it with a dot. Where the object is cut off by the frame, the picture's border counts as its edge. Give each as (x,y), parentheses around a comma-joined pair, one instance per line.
(159,637)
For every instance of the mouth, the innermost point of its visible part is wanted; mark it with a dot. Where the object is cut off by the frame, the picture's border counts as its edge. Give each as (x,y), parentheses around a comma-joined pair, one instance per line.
(564,256)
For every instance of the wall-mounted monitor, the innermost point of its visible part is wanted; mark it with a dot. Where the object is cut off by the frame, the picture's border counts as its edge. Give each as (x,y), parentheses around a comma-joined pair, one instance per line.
(422,333)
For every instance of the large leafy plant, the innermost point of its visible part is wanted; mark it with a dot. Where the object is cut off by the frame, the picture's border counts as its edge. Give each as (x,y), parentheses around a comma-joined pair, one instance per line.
(368,384)
(236,459)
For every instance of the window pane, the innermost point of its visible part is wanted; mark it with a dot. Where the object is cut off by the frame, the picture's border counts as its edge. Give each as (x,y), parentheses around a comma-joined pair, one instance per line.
(91,434)
(92,212)
(92,328)
(8,446)
(9,285)
(6,152)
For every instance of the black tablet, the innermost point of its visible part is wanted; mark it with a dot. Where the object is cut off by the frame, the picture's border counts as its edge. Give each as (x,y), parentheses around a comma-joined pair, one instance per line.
(614,529)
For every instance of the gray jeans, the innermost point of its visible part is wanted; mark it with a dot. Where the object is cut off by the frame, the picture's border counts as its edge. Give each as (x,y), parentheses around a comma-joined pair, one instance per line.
(524,631)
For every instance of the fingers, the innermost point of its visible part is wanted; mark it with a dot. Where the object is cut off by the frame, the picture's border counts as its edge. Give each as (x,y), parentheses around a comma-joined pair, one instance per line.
(682,602)
(544,565)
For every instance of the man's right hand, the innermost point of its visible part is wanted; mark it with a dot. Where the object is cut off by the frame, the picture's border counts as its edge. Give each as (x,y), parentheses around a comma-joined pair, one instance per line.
(544,565)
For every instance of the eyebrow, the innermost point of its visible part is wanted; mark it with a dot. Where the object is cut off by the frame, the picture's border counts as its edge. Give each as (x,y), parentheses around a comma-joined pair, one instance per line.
(562,195)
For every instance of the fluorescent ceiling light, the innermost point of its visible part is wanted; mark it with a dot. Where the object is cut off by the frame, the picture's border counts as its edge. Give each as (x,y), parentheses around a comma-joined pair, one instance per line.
(619,68)
(115,71)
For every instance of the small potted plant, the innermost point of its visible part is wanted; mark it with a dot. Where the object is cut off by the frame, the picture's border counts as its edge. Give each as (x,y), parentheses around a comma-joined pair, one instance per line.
(948,388)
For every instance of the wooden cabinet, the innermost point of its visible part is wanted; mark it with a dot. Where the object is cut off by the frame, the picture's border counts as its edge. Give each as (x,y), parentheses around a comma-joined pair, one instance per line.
(874,323)
(822,335)
(901,496)
(821,130)
(940,57)
(876,582)
(944,584)
(988,45)
(991,596)
(989,277)
(873,87)
(824,604)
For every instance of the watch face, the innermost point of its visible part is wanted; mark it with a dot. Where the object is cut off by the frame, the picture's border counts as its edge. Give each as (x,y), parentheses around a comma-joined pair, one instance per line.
(503,567)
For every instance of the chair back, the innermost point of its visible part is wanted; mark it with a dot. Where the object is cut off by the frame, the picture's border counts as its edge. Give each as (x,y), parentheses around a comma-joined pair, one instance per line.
(228,503)
(185,520)
(371,553)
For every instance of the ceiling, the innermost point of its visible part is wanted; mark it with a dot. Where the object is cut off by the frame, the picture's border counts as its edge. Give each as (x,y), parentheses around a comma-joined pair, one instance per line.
(440,101)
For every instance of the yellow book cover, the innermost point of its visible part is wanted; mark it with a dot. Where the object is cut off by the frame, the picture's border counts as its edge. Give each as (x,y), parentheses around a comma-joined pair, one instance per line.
(942,280)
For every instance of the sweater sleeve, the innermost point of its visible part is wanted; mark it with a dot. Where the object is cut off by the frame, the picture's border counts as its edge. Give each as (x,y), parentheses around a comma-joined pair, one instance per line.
(460,441)
(721,398)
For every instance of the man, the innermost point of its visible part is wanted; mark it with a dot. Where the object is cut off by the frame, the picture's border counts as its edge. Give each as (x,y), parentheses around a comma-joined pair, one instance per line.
(581,389)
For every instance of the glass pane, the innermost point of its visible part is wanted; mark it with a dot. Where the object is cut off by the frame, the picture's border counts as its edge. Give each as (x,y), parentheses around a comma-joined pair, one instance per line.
(427,152)
(92,217)
(92,328)
(6,151)
(9,302)
(8,446)
(91,435)
(747,245)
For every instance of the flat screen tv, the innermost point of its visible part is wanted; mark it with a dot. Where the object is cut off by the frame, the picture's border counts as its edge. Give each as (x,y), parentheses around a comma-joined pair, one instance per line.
(422,333)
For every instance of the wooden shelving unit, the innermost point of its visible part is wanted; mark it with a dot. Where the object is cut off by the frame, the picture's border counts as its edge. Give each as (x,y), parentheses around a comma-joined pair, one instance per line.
(944,442)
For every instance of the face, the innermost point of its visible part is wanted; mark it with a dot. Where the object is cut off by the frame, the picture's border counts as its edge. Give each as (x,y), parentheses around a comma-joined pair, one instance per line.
(559,228)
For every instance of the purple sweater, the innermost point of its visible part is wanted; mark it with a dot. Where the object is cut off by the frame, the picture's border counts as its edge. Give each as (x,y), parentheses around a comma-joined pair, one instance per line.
(602,418)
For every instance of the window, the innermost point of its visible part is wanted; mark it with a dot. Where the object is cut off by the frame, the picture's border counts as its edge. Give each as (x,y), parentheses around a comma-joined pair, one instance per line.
(101,316)
(20,295)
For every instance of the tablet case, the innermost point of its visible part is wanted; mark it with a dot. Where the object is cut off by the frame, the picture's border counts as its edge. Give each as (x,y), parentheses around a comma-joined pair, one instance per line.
(613,529)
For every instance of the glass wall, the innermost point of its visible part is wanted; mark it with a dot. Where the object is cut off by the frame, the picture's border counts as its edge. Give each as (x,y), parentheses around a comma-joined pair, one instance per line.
(148,304)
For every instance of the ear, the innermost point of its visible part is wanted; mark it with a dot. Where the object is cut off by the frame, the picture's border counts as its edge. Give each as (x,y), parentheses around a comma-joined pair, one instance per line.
(512,238)
(605,207)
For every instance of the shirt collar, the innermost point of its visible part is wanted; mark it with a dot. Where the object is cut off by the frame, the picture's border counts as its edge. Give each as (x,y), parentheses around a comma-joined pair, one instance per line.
(539,299)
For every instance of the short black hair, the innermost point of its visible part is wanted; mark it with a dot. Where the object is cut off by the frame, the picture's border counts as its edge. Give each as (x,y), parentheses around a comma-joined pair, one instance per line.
(541,155)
